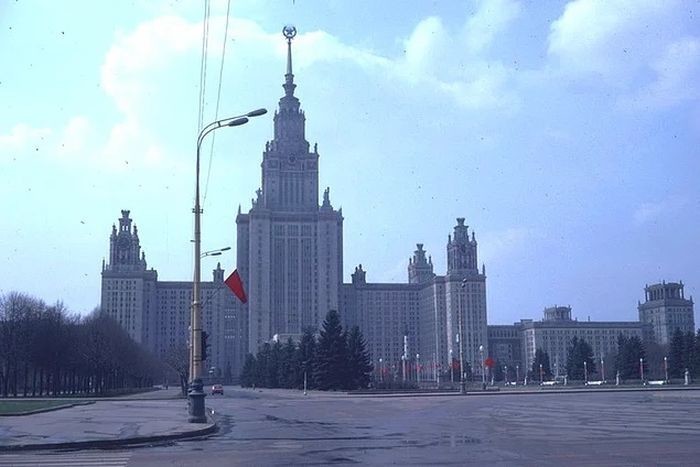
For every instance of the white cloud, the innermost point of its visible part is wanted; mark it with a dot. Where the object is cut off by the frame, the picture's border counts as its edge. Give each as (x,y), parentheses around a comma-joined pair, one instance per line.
(456,64)
(492,18)
(318,46)
(677,75)
(605,36)
(652,211)
(23,136)
(499,245)
(152,45)
(640,48)
(74,136)
(425,47)
(132,74)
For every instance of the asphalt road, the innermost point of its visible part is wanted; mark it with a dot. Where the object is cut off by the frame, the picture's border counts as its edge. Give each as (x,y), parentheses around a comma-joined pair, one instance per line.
(287,428)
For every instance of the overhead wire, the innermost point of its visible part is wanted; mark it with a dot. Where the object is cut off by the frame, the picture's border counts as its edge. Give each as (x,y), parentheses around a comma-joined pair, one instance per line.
(218,98)
(203,65)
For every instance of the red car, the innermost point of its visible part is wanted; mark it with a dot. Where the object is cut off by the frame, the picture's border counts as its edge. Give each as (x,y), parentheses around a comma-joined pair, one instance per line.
(217,389)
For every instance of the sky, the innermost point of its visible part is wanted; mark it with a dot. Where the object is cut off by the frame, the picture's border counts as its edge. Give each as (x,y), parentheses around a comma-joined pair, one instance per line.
(566,133)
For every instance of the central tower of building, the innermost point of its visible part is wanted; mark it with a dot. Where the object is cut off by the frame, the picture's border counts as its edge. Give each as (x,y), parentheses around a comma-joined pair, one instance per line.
(289,248)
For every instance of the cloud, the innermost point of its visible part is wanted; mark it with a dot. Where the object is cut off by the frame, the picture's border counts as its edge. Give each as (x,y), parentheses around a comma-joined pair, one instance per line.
(152,45)
(652,211)
(23,136)
(451,63)
(642,49)
(677,73)
(456,63)
(140,63)
(492,18)
(604,36)
(320,46)
(74,137)
(497,246)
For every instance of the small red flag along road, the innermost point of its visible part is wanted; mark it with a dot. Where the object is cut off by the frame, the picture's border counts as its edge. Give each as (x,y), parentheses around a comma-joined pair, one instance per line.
(235,283)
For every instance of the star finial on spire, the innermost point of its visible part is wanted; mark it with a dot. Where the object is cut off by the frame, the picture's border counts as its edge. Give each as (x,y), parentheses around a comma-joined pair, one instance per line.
(289,32)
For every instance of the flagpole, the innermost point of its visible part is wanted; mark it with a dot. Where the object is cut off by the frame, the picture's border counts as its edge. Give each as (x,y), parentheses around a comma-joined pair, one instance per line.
(196,392)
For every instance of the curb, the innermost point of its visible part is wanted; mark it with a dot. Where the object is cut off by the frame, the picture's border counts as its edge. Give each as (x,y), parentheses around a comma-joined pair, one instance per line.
(535,392)
(212,427)
(47,409)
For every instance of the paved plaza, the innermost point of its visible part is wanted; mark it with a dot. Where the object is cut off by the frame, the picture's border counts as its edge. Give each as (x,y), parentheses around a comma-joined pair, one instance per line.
(267,427)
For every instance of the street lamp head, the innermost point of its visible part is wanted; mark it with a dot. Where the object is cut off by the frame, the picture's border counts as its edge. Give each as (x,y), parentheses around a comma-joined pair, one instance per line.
(216,253)
(238,121)
(256,113)
(226,248)
(481,348)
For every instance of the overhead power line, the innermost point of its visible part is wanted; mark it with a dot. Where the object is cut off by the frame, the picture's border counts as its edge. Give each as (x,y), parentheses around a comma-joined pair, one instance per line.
(218,97)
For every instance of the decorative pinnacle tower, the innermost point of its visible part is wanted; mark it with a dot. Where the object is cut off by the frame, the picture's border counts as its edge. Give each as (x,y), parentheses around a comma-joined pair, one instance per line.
(290,168)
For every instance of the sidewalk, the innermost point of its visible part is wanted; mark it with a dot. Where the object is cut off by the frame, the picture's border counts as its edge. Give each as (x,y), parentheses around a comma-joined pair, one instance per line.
(104,423)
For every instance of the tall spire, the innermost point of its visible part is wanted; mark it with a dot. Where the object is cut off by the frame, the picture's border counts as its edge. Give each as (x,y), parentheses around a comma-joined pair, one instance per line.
(289,32)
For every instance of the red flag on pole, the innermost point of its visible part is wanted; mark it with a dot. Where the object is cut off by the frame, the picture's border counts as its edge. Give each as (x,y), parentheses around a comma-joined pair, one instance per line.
(235,283)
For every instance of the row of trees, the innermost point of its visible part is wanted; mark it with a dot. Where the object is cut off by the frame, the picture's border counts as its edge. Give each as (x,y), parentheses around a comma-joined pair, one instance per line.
(45,350)
(336,360)
(684,352)
(581,363)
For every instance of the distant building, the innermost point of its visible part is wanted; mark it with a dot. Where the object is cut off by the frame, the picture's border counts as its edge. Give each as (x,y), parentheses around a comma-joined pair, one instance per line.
(666,309)
(556,331)
(426,309)
(506,345)
(157,313)
(290,256)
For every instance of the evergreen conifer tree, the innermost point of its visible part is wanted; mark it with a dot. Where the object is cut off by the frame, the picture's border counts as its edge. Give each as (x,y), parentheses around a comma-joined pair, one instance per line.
(306,356)
(331,360)
(262,367)
(273,367)
(248,372)
(541,357)
(287,367)
(688,350)
(676,364)
(359,365)
(580,351)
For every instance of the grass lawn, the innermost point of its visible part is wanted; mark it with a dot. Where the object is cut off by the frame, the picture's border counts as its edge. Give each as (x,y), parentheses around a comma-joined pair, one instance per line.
(16,407)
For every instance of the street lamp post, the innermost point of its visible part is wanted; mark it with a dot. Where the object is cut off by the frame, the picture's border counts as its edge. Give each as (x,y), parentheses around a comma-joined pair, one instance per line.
(602,369)
(452,369)
(404,357)
(585,372)
(541,374)
(666,368)
(462,382)
(196,392)
(483,372)
(506,373)
(418,368)
(641,369)
(517,374)
(381,370)
(215,252)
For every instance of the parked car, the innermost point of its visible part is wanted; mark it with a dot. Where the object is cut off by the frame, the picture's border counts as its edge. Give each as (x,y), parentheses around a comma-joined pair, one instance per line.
(217,389)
